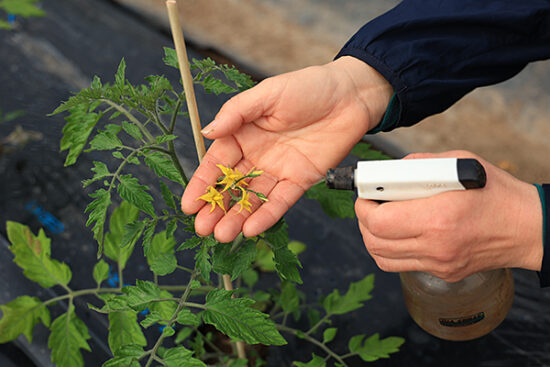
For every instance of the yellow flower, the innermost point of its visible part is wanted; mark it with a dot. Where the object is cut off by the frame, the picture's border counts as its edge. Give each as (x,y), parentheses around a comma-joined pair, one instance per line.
(231,178)
(213,197)
(244,202)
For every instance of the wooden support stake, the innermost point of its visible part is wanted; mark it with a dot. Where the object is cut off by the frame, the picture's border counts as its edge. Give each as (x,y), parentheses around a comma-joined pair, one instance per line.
(186,77)
(187,80)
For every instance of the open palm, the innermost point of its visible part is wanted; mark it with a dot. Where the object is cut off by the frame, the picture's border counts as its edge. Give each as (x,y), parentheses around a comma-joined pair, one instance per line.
(293,127)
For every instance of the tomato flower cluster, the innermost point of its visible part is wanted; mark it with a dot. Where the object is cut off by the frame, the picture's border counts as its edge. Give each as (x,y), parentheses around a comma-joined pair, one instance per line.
(234,183)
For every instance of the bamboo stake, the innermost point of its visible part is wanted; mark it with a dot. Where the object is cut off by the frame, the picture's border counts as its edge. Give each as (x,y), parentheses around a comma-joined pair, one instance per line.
(187,80)
(186,77)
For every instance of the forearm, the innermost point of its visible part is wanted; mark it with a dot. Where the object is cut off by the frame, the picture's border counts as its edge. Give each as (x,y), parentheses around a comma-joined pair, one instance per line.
(433,53)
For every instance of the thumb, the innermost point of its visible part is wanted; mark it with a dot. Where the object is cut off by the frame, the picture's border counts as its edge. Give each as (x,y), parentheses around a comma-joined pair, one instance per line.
(245,107)
(449,154)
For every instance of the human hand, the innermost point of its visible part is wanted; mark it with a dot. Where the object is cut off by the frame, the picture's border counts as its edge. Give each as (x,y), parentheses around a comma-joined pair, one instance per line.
(455,234)
(293,127)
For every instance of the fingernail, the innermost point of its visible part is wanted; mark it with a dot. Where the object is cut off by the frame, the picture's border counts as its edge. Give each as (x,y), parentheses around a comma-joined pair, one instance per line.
(209,128)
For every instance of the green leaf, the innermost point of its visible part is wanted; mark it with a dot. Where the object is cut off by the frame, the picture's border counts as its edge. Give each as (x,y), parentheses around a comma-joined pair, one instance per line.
(190,243)
(20,316)
(98,213)
(161,256)
(329,334)
(373,348)
(315,362)
(225,261)
(235,318)
(335,203)
(166,309)
(126,356)
(167,195)
(24,8)
(101,272)
(132,130)
(357,293)
(168,331)
(79,126)
(290,298)
(365,152)
(216,86)
(202,261)
(143,293)
(152,318)
(240,363)
(287,263)
(181,357)
(101,172)
(186,317)
(32,254)
(165,138)
(68,335)
(121,223)
(183,334)
(130,190)
(170,58)
(148,233)
(124,330)
(250,277)
(120,76)
(163,166)
(243,81)
(105,140)
(113,303)
(277,236)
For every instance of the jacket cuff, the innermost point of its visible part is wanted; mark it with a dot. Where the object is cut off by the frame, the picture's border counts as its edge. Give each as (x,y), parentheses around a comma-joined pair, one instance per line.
(544,273)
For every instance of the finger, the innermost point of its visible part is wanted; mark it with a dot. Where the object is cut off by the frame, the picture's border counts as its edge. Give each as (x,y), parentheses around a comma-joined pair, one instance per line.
(449,154)
(231,224)
(225,151)
(394,220)
(245,107)
(281,198)
(408,248)
(206,218)
(399,265)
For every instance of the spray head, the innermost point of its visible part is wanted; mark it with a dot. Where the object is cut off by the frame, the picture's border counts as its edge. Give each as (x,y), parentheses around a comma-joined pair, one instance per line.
(341,178)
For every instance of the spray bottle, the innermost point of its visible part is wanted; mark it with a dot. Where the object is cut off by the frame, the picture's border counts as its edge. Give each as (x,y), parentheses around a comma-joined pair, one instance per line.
(463,310)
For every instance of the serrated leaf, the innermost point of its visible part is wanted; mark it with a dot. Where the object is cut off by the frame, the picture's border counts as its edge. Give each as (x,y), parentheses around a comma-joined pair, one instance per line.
(105,140)
(79,126)
(161,256)
(143,293)
(148,233)
(315,362)
(101,171)
(171,227)
(225,261)
(130,190)
(152,318)
(168,331)
(132,130)
(242,80)
(286,264)
(357,293)
(202,261)
(126,356)
(101,272)
(167,195)
(277,236)
(290,298)
(365,152)
(165,138)
(186,317)
(32,254)
(216,86)
(170,57)
(190,243)
(163,166)
(68,335)
(120,75)
(124,330)
(20,316)
(166,309)
(98,213)
(335,203)
(374,348)
(183,334)
(181,357)
(329,334)
(121,222)
(113,303)
(235,318)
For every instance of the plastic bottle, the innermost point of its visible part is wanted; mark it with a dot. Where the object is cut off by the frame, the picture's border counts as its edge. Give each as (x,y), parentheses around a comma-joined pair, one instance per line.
(464,310)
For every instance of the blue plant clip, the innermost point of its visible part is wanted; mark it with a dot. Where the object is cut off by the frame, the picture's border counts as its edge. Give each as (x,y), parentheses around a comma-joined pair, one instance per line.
(48,220)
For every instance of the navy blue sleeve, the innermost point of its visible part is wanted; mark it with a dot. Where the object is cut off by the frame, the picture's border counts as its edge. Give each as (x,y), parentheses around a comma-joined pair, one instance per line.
(434,52)
(544,273)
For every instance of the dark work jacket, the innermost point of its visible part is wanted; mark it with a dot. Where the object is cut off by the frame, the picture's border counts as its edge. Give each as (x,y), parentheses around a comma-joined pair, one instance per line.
(434,52)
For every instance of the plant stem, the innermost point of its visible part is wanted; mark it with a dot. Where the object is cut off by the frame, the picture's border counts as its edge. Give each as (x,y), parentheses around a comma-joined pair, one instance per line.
(319,323)
(81,292)
(181,305)
(176,161)
(174,116)
(131,117)
(299,334)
